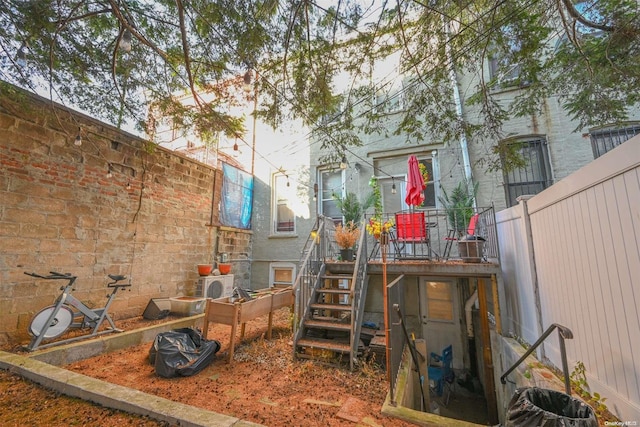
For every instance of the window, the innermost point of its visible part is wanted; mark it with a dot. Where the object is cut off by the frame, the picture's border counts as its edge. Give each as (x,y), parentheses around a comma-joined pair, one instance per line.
(534,176)
(394,202)
(331,181)
(503,67)
(606,139)
(430,191)
(389,101)
(439,301)
(282,274)
(284,217)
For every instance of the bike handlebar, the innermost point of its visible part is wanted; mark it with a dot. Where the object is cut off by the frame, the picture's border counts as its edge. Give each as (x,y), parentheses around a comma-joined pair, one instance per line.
(54,275)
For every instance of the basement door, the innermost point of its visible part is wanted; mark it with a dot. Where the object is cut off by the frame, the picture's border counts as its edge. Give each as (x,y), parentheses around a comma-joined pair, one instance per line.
(440,317)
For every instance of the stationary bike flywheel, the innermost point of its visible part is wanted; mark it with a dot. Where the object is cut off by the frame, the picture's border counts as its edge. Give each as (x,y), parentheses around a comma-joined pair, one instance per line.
(58,325)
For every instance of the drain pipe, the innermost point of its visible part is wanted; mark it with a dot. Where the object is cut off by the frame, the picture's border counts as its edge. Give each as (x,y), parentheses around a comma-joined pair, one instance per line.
(467,310)
(464,147)
(471,342)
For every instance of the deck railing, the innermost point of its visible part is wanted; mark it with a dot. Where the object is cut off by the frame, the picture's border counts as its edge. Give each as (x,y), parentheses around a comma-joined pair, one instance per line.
(435,234)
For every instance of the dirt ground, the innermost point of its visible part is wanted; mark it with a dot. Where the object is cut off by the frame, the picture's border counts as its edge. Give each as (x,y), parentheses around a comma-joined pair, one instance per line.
(264,384)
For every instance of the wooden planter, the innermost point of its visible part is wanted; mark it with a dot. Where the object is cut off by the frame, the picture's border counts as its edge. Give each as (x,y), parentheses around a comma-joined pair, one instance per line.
(233,313)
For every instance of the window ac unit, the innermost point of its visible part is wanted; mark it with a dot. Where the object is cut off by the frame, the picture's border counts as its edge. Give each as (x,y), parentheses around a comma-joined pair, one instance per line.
(215,286)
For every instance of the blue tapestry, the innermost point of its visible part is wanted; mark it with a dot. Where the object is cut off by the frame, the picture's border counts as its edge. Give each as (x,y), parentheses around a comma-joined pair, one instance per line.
(237,197)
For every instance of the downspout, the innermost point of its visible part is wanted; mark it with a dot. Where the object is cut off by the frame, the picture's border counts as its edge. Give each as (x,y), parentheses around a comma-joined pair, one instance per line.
(464,147)
(467,312)
(471,342)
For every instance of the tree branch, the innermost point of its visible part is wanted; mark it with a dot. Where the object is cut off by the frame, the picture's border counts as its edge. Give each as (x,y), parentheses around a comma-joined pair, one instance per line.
(573,12)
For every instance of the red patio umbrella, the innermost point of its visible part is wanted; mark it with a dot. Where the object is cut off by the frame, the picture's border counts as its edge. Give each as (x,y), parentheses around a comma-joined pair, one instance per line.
(415,183)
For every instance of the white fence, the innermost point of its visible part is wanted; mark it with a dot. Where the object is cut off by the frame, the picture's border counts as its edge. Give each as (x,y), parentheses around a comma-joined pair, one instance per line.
(571,255)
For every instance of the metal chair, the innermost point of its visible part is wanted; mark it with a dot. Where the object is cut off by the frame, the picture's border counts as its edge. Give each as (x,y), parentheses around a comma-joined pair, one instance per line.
(441,372)
(411,228)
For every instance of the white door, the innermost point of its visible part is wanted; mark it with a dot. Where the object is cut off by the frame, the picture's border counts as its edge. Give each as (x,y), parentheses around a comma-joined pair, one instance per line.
(440,316)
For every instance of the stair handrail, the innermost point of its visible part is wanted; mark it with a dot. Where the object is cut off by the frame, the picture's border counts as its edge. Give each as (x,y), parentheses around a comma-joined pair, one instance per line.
(313,254)
(563,333)
(358,281)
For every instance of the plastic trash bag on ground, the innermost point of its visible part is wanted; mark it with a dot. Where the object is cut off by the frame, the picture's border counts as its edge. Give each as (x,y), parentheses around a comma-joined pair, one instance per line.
(181,353)
(534,407)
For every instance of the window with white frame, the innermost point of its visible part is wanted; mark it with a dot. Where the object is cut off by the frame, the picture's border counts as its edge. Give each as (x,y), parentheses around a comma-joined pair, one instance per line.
(284,219)
(534,176)
(393,188)
(607,138)
(281,274)
(502,66)
(331,182)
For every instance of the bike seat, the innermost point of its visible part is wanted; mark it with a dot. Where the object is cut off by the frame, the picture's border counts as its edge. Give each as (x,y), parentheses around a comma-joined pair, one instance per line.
(117,277)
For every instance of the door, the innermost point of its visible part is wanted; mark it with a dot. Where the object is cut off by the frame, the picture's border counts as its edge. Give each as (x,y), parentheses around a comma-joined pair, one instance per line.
(440,317)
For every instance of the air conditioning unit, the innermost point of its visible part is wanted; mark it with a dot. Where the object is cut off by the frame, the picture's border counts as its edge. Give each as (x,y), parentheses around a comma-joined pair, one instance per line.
(215,286)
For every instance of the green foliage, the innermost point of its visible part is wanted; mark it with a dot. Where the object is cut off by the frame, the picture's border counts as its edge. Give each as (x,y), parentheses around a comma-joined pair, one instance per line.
(578,381)
(459,206)
(588,59)
(351,208)
(377,198)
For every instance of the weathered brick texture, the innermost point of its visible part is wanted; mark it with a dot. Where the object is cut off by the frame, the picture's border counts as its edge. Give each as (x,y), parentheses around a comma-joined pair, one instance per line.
(151,220)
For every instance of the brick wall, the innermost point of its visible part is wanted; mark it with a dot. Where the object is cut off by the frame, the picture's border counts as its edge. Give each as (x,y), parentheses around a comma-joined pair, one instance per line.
(151,220)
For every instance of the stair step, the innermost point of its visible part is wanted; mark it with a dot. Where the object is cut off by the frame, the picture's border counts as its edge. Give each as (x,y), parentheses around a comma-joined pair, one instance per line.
(327,324)
(337,276)
(336,307)
(324,344)
(334,291)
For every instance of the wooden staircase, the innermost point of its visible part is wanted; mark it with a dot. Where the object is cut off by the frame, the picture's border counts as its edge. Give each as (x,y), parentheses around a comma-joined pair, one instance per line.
(327,328)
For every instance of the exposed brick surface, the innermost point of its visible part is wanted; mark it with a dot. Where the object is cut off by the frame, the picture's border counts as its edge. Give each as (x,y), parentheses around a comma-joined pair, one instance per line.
(60,212)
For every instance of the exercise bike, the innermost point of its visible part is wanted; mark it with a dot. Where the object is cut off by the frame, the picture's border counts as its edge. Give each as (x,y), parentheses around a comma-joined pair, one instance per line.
(69,312)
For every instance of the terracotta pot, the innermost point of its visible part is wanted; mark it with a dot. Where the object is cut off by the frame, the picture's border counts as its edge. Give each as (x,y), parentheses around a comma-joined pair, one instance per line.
(224,268)
(204,269)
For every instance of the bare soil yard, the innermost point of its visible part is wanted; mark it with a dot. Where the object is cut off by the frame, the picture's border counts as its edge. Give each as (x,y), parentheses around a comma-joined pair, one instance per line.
(264,384)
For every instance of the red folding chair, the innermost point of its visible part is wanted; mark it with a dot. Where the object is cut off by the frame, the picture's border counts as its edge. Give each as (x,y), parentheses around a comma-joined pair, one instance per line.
(411,227)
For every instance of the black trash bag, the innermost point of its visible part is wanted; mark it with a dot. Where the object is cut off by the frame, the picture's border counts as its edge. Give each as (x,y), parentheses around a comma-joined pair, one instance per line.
(181,353)
(534,407)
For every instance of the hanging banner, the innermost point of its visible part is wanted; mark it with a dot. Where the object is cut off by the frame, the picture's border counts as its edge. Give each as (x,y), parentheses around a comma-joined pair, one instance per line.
(237,198)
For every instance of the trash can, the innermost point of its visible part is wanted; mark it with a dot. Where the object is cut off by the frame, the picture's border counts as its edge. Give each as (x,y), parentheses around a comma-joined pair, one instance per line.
(533,407)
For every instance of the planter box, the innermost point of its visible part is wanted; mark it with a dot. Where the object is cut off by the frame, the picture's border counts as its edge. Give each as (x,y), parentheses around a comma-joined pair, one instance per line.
(229,311)
(471,250)
(187,306)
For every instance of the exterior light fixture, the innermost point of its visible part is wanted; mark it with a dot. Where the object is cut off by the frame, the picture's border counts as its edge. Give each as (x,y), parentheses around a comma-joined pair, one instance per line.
(247,78)
(393,187)
(315,191)
(109,171)
(288,184)
(129,185)
(125,41)
(78,141)
(343,162)
(21,55)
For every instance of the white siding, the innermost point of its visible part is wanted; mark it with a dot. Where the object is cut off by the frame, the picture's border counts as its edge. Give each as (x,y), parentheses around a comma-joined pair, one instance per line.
(586,243)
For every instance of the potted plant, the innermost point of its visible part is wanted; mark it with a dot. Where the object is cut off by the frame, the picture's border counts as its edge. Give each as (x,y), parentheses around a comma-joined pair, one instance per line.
(377,225)
(346,237)
(350,208)
(459,209)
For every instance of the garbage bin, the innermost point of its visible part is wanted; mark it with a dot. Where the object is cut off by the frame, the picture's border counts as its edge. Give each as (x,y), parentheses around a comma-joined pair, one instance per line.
(533,407)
